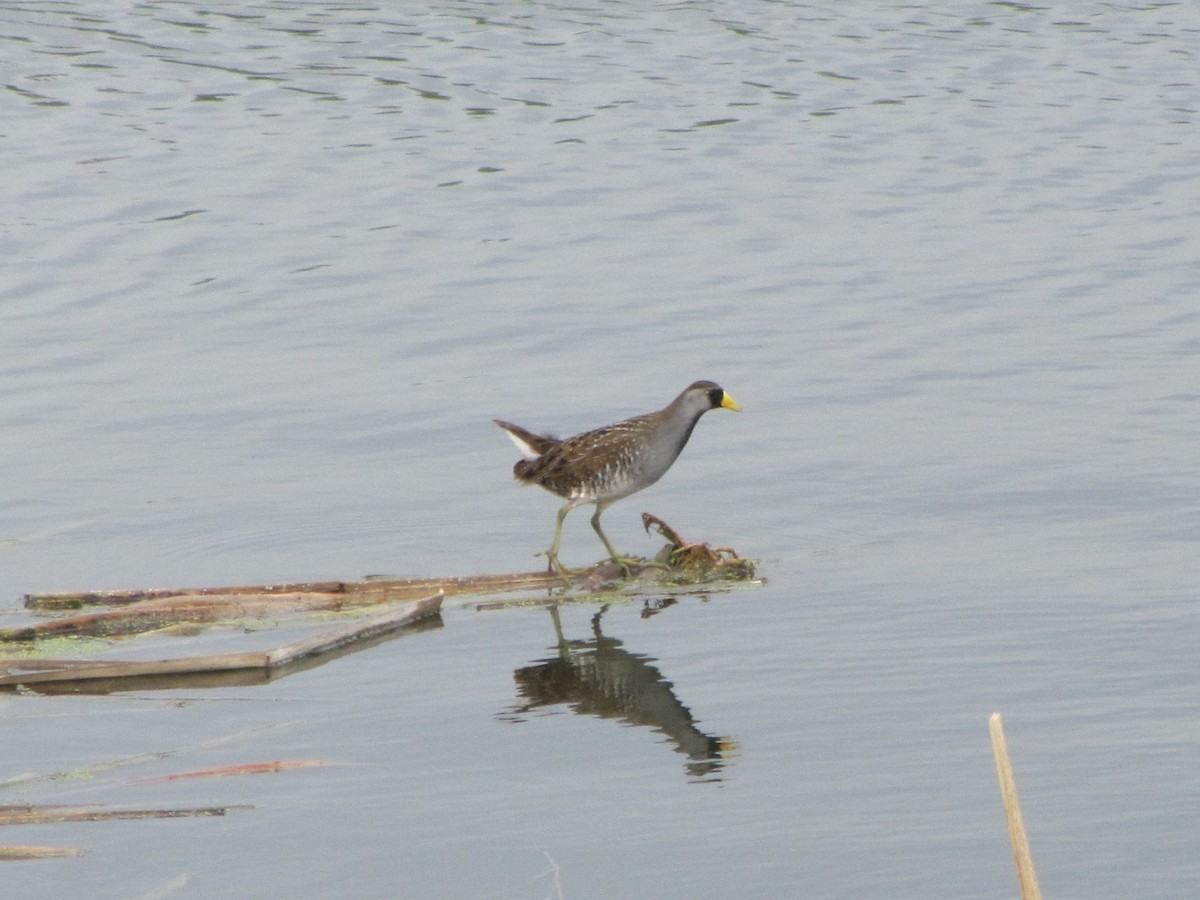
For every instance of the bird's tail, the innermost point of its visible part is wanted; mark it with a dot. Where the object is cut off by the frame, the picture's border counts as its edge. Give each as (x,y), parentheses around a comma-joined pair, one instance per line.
(531,445)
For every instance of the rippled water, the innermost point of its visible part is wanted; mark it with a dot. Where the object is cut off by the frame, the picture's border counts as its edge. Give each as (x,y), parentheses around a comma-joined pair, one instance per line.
(268,272)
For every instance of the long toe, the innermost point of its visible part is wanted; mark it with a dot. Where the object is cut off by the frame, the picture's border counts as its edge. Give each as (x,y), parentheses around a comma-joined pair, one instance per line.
(555,566)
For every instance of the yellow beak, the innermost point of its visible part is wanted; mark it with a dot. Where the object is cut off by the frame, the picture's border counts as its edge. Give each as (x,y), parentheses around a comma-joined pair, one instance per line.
(728,402)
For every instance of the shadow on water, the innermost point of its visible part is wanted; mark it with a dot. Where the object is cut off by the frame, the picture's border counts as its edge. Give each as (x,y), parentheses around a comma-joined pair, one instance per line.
(599,677)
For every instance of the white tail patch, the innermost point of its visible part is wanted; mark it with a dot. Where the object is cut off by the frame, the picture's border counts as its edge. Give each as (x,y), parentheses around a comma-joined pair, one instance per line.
(527,451)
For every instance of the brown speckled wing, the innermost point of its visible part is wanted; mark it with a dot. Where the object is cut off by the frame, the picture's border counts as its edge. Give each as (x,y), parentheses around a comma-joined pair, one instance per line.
(590,461)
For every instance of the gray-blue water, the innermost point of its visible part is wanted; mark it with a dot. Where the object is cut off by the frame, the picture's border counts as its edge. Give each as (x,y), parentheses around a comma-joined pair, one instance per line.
(268,271)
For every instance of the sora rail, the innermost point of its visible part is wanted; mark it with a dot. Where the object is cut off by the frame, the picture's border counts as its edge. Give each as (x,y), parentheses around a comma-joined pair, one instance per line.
(612,462)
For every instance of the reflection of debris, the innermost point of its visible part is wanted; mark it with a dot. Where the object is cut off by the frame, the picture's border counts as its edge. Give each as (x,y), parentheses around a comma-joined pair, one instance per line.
(307,651)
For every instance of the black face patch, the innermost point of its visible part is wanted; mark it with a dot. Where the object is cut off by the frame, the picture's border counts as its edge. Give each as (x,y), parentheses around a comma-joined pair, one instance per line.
(715,397)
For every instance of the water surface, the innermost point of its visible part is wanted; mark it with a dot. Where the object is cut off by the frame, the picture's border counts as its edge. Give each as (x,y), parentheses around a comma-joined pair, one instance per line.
(269,271)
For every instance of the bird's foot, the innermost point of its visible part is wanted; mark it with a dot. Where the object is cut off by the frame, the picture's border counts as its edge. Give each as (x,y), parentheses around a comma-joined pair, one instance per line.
(631,564)
(554,566)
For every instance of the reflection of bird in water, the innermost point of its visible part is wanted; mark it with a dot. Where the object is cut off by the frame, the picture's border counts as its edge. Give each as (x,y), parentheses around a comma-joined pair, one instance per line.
(600,678)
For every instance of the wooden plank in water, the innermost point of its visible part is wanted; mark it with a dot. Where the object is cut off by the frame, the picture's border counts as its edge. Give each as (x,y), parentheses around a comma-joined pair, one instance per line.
(679,563)
(334,639)
(60,600)
(37,671)
(145,615)
(346,592)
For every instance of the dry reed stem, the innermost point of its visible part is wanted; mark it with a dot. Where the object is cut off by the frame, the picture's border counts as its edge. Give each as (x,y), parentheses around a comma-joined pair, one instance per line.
(35,815)
(1026,876)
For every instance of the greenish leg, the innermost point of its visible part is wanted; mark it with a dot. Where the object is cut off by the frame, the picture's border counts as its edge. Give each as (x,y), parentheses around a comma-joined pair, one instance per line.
(623,561)
(612,551)
(628,563)
(552,553)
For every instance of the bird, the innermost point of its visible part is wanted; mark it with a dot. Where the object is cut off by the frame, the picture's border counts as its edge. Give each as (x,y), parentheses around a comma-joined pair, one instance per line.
(607,464)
